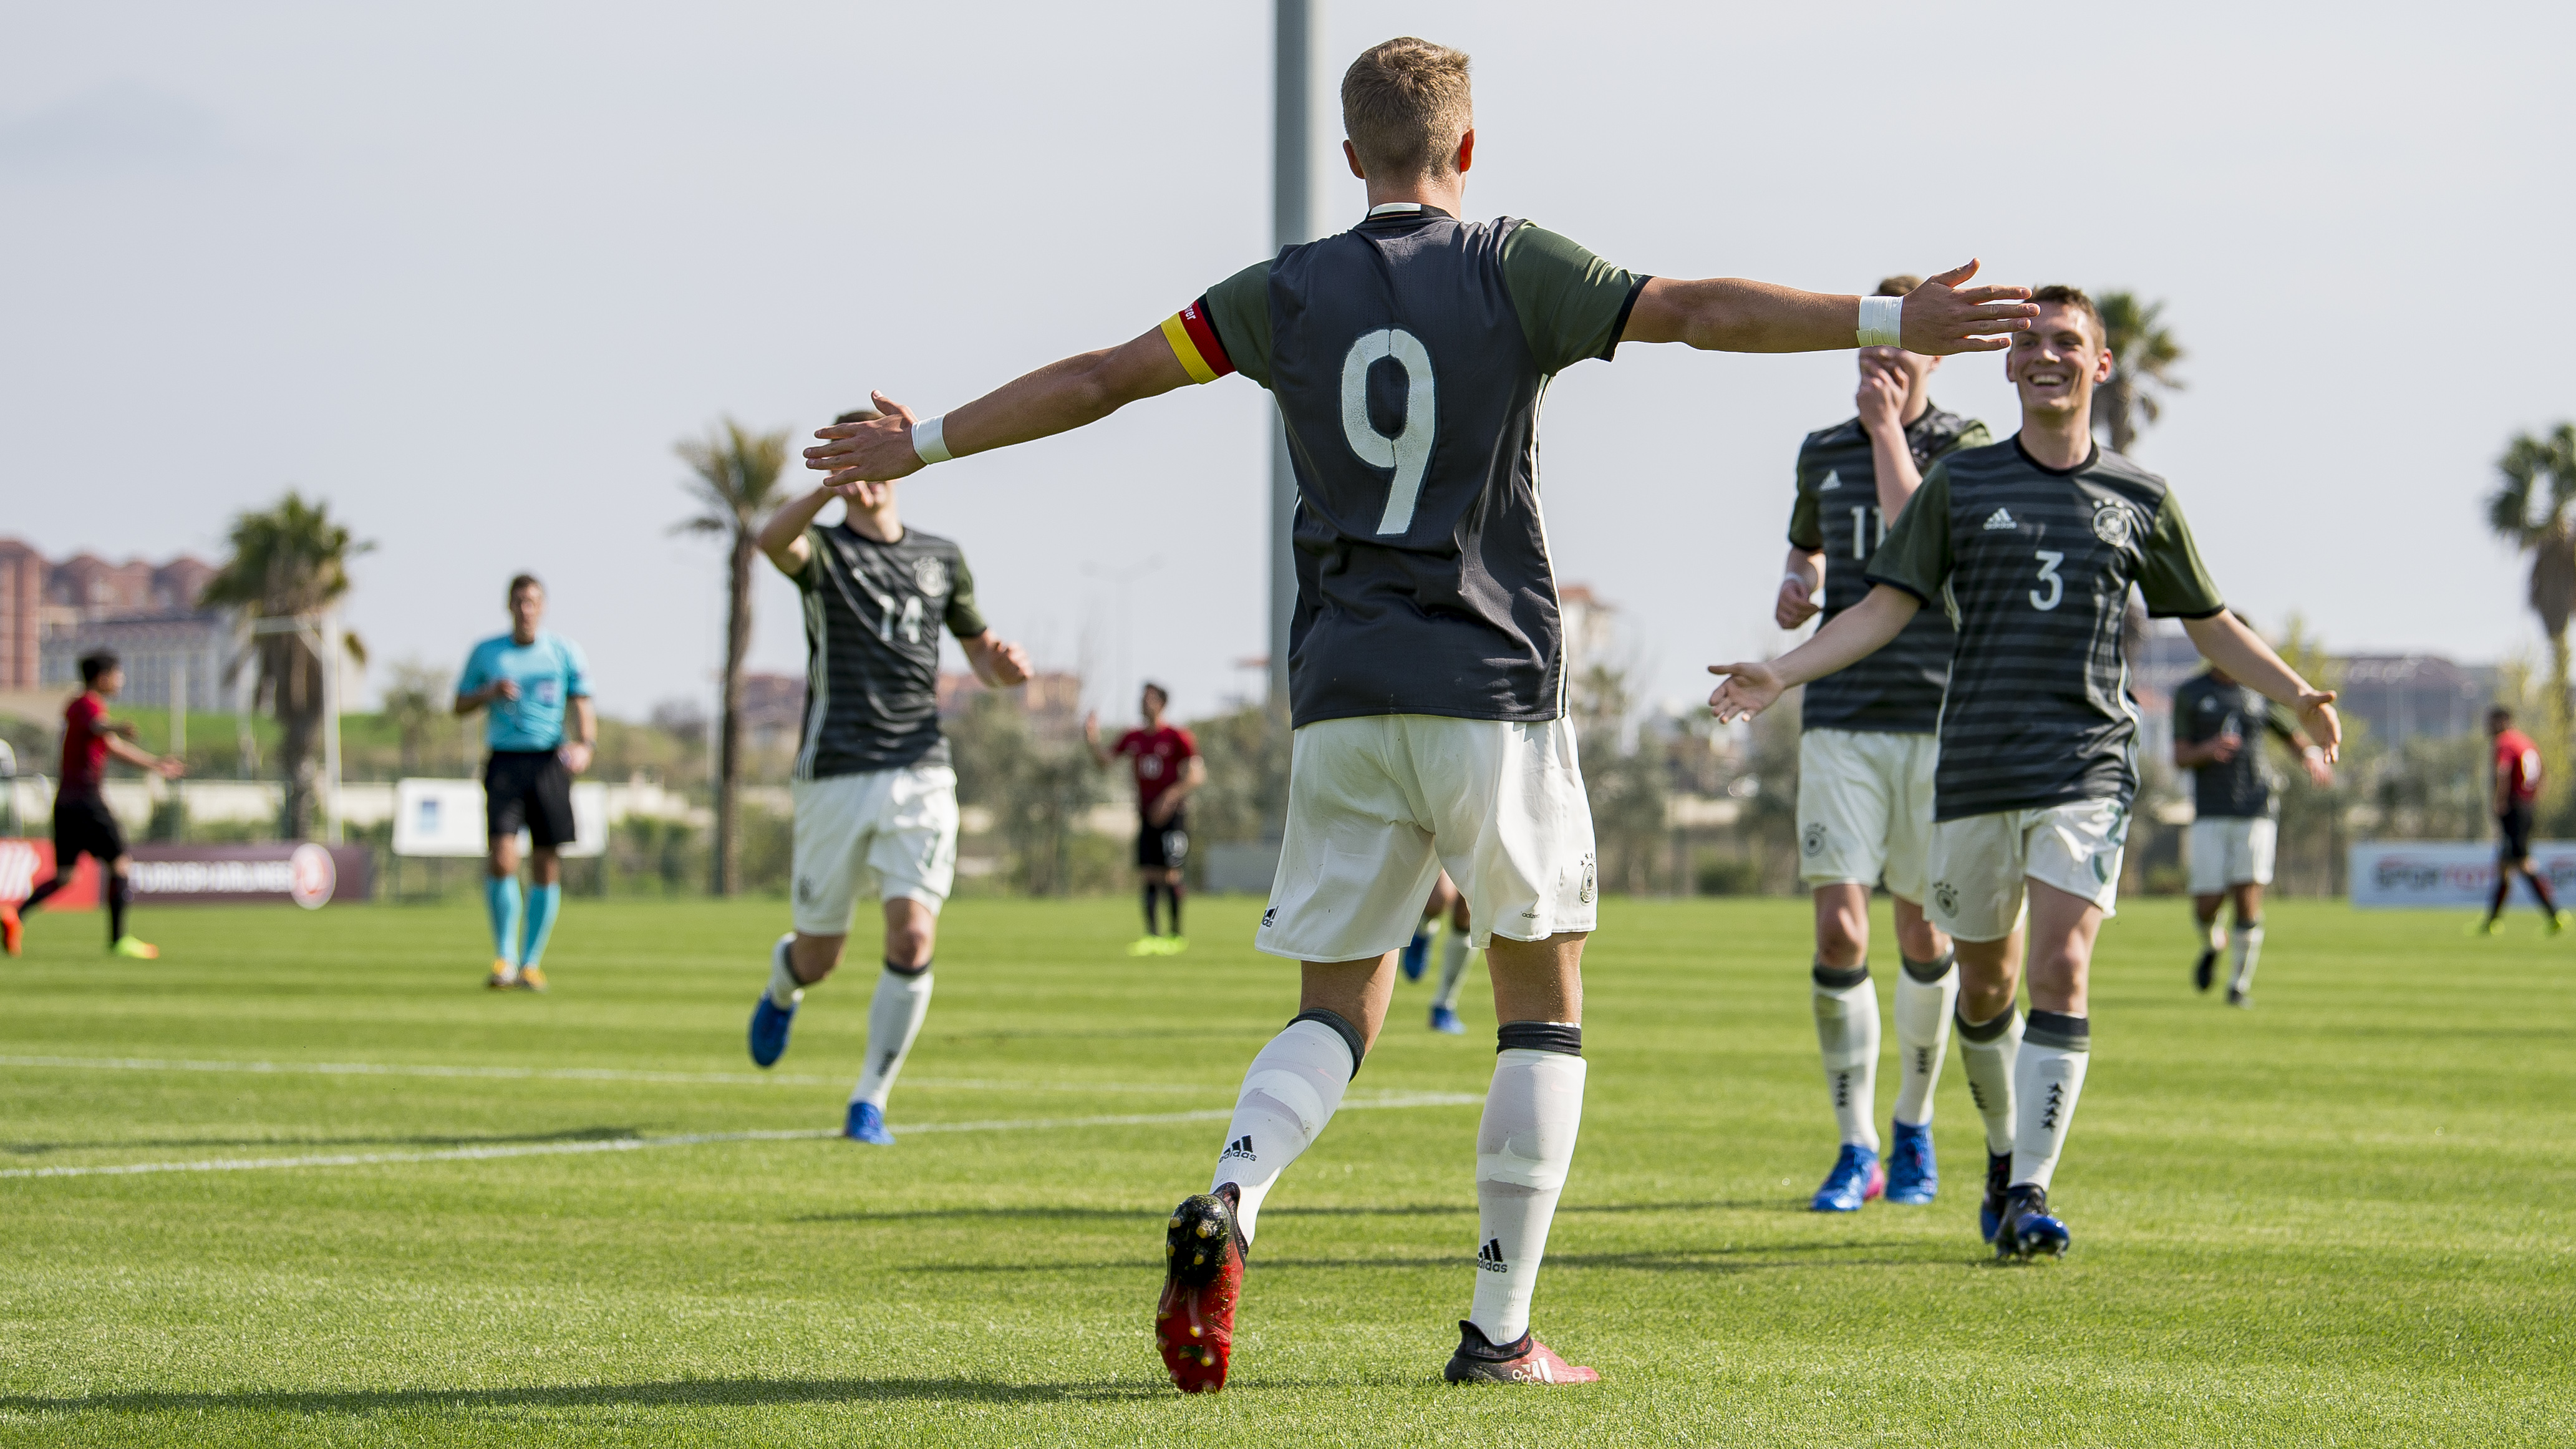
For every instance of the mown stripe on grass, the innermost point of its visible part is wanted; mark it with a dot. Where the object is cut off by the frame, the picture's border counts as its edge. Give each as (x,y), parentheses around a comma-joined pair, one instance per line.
(562,1074)
(691,1139)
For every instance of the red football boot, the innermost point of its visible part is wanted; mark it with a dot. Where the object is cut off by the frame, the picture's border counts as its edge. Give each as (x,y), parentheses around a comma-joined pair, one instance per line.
(1203,1278)
(10,928)
(1529,1361)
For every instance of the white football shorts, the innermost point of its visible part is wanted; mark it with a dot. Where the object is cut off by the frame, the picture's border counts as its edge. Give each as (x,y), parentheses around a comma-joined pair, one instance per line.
(2231,850)
(891,832)
(1865,808)
(1377,807)
(1979,864)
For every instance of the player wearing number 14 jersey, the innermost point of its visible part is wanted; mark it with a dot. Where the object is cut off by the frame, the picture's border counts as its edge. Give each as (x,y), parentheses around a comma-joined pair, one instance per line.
(1407,357)
(2032,546)
(1865,772)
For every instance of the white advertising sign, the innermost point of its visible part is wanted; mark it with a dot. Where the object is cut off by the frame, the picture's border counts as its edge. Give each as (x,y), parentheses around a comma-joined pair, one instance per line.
(2438,874)
(445,818)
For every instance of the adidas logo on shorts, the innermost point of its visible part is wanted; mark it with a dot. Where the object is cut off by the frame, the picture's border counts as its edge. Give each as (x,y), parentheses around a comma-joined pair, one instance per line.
(2000,518)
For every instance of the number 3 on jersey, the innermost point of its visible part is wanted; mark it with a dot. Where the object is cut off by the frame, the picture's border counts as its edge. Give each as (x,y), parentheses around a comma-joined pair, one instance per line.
(2049,575)
(1408,452)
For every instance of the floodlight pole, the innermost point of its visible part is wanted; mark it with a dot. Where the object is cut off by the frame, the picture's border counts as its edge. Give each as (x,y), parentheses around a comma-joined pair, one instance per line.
(1292,173)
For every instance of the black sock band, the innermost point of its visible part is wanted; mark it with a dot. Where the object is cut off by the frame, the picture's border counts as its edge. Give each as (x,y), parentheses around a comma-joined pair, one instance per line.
(1350,1034)
(1982,1032)
(1930,972)
(119,891)
(1841,978)
(2255,924)
(921,970)
(2057,1029)
(1539,1036)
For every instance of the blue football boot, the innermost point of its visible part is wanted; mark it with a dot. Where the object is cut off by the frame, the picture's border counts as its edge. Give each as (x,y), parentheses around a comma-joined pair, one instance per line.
(1990,1213)
(1446,1022)
(1913,1174)
(1417,956)
(867,1124)
(1857,1177)
(2027,1229)
(769,1021)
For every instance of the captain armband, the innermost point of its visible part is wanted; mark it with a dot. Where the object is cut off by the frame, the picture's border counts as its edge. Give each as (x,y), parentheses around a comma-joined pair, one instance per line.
(1194,342)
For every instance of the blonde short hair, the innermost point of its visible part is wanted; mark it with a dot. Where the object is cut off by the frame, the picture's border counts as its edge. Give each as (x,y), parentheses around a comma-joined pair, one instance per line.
(1405,105)
(2059,294)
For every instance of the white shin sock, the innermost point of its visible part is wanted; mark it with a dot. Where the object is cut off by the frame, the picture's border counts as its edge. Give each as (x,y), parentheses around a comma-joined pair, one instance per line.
(1289,1093)
(784,988)
(1453,970)
(2247,942)
(1987,1051)
(1524,1145)
(1847,1030)
(2046,1082)
(894,1019)
(1923,1034)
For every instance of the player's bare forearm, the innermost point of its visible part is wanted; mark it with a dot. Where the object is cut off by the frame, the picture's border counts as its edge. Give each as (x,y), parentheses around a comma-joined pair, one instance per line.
(585,721)
(782,537)
(1897,475)
(1057,398)
(1733,314)
(1802,581)
(131,754)
(1001,665)
(2225,641)
(1855,634)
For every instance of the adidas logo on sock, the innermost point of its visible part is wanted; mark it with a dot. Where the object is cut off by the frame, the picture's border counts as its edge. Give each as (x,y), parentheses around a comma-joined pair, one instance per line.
(2056,1099)
(1489,1258)
(2000,518)
(1241,1147)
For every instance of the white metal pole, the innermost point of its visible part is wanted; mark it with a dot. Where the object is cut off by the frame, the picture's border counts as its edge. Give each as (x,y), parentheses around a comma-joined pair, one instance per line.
(331,723)
(1292,181)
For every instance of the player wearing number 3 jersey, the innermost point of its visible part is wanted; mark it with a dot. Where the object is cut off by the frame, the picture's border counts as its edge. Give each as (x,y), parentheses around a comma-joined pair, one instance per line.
(1407,357)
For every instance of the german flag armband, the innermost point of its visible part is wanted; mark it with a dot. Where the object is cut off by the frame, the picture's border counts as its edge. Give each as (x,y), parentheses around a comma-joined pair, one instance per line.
(1195,343)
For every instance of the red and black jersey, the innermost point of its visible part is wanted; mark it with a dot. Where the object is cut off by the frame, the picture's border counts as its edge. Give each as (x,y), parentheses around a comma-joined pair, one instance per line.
(2517,762)
(1160,757)
(84,746)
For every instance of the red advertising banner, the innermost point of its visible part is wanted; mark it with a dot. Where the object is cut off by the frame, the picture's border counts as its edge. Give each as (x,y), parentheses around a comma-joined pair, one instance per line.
(269,872)
(25,862)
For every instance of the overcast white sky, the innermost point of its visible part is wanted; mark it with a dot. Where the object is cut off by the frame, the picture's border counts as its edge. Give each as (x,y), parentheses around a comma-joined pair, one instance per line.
(468,271)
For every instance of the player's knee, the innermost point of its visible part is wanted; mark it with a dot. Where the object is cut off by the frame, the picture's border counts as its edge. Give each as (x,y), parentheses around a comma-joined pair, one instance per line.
(909,943)
(1841,940)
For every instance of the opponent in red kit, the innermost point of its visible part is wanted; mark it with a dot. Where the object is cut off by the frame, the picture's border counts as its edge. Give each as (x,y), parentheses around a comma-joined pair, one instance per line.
(82,825)
(1168,768)
(2517,784)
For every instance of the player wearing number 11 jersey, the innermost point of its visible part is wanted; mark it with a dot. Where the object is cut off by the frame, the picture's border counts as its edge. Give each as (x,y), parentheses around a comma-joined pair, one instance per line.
(1407,357)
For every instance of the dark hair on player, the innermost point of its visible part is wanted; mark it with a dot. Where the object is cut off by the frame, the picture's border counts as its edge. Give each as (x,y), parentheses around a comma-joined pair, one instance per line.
(2065,296)
(1158,691)
(2496,714)
(525,581)
(1902,284)
(858,415)
(93,665)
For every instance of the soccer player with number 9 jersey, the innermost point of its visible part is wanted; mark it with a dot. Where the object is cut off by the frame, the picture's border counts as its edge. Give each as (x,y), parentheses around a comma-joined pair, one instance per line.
(2033,545)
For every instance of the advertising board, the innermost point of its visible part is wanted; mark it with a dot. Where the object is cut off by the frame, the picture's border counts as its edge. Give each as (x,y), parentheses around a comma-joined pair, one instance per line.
(2445,874)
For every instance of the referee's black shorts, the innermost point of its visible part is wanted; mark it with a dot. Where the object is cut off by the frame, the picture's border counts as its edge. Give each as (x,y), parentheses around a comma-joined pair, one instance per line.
(530,788)
(2513,828)
(82,826)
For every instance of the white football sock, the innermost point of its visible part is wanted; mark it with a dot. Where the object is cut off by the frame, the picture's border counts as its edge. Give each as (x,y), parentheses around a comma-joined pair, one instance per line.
(1922,1033)
(1453,970)
(1847,1030)
(1986,1053)
(1289,1093)
(894,1019)
(2247,942)
(2046,1081)
(784,989)
(1523,1147)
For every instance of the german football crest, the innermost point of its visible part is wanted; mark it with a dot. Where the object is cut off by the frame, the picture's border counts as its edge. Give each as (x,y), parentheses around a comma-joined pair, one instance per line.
(930,575)
(2114,522)
(1946,896)
(1814,840)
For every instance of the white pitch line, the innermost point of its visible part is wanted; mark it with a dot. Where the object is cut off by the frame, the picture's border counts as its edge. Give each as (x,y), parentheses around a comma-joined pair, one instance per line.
(691,1139)
(561,1074)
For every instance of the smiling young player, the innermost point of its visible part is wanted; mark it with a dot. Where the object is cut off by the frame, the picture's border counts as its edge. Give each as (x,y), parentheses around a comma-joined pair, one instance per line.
(1865,753)
(1407,357)
(2033,545)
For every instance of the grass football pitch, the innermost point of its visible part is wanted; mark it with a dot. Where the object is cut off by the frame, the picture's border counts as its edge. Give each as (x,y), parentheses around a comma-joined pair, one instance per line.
(2341,1218)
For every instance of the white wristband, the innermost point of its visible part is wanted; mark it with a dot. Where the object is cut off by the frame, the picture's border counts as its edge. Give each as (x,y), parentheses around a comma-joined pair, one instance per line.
(1882,321)
(928,443)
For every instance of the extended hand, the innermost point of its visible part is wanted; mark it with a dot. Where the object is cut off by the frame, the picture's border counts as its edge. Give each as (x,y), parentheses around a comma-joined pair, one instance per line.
(2317,715)
(1942,317)
(505,689)
(576,756)
(170,767)
(1749,689)
(2224,748)
(1010,666)
(2321,773)
(1795,607)
(876,451)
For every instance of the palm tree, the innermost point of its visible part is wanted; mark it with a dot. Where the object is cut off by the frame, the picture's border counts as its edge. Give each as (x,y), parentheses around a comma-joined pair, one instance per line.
(290,564)
(736,486)
(2534,509)
(2143,354)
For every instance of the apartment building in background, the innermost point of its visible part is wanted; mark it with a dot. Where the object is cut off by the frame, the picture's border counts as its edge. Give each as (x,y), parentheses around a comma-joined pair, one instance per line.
(53,611)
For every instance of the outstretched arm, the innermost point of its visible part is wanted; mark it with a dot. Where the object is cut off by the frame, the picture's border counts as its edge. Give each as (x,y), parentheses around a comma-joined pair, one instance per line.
(1054,399)
(2227,643)
(1730,314)
(1854,635)
(168,767)
(1001,665)
(783,536)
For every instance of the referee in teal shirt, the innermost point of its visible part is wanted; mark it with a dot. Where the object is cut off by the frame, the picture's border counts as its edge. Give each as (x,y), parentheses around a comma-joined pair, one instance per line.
(527,680)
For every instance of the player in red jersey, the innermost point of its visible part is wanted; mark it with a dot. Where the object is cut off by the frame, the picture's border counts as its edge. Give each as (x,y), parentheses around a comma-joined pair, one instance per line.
(2517,784)
(82,825)
(1168,768)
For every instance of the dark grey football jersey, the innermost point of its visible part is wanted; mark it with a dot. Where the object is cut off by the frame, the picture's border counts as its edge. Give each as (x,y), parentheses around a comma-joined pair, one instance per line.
(1898,689)
(873,612)
(2241,788)
(2035,565)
